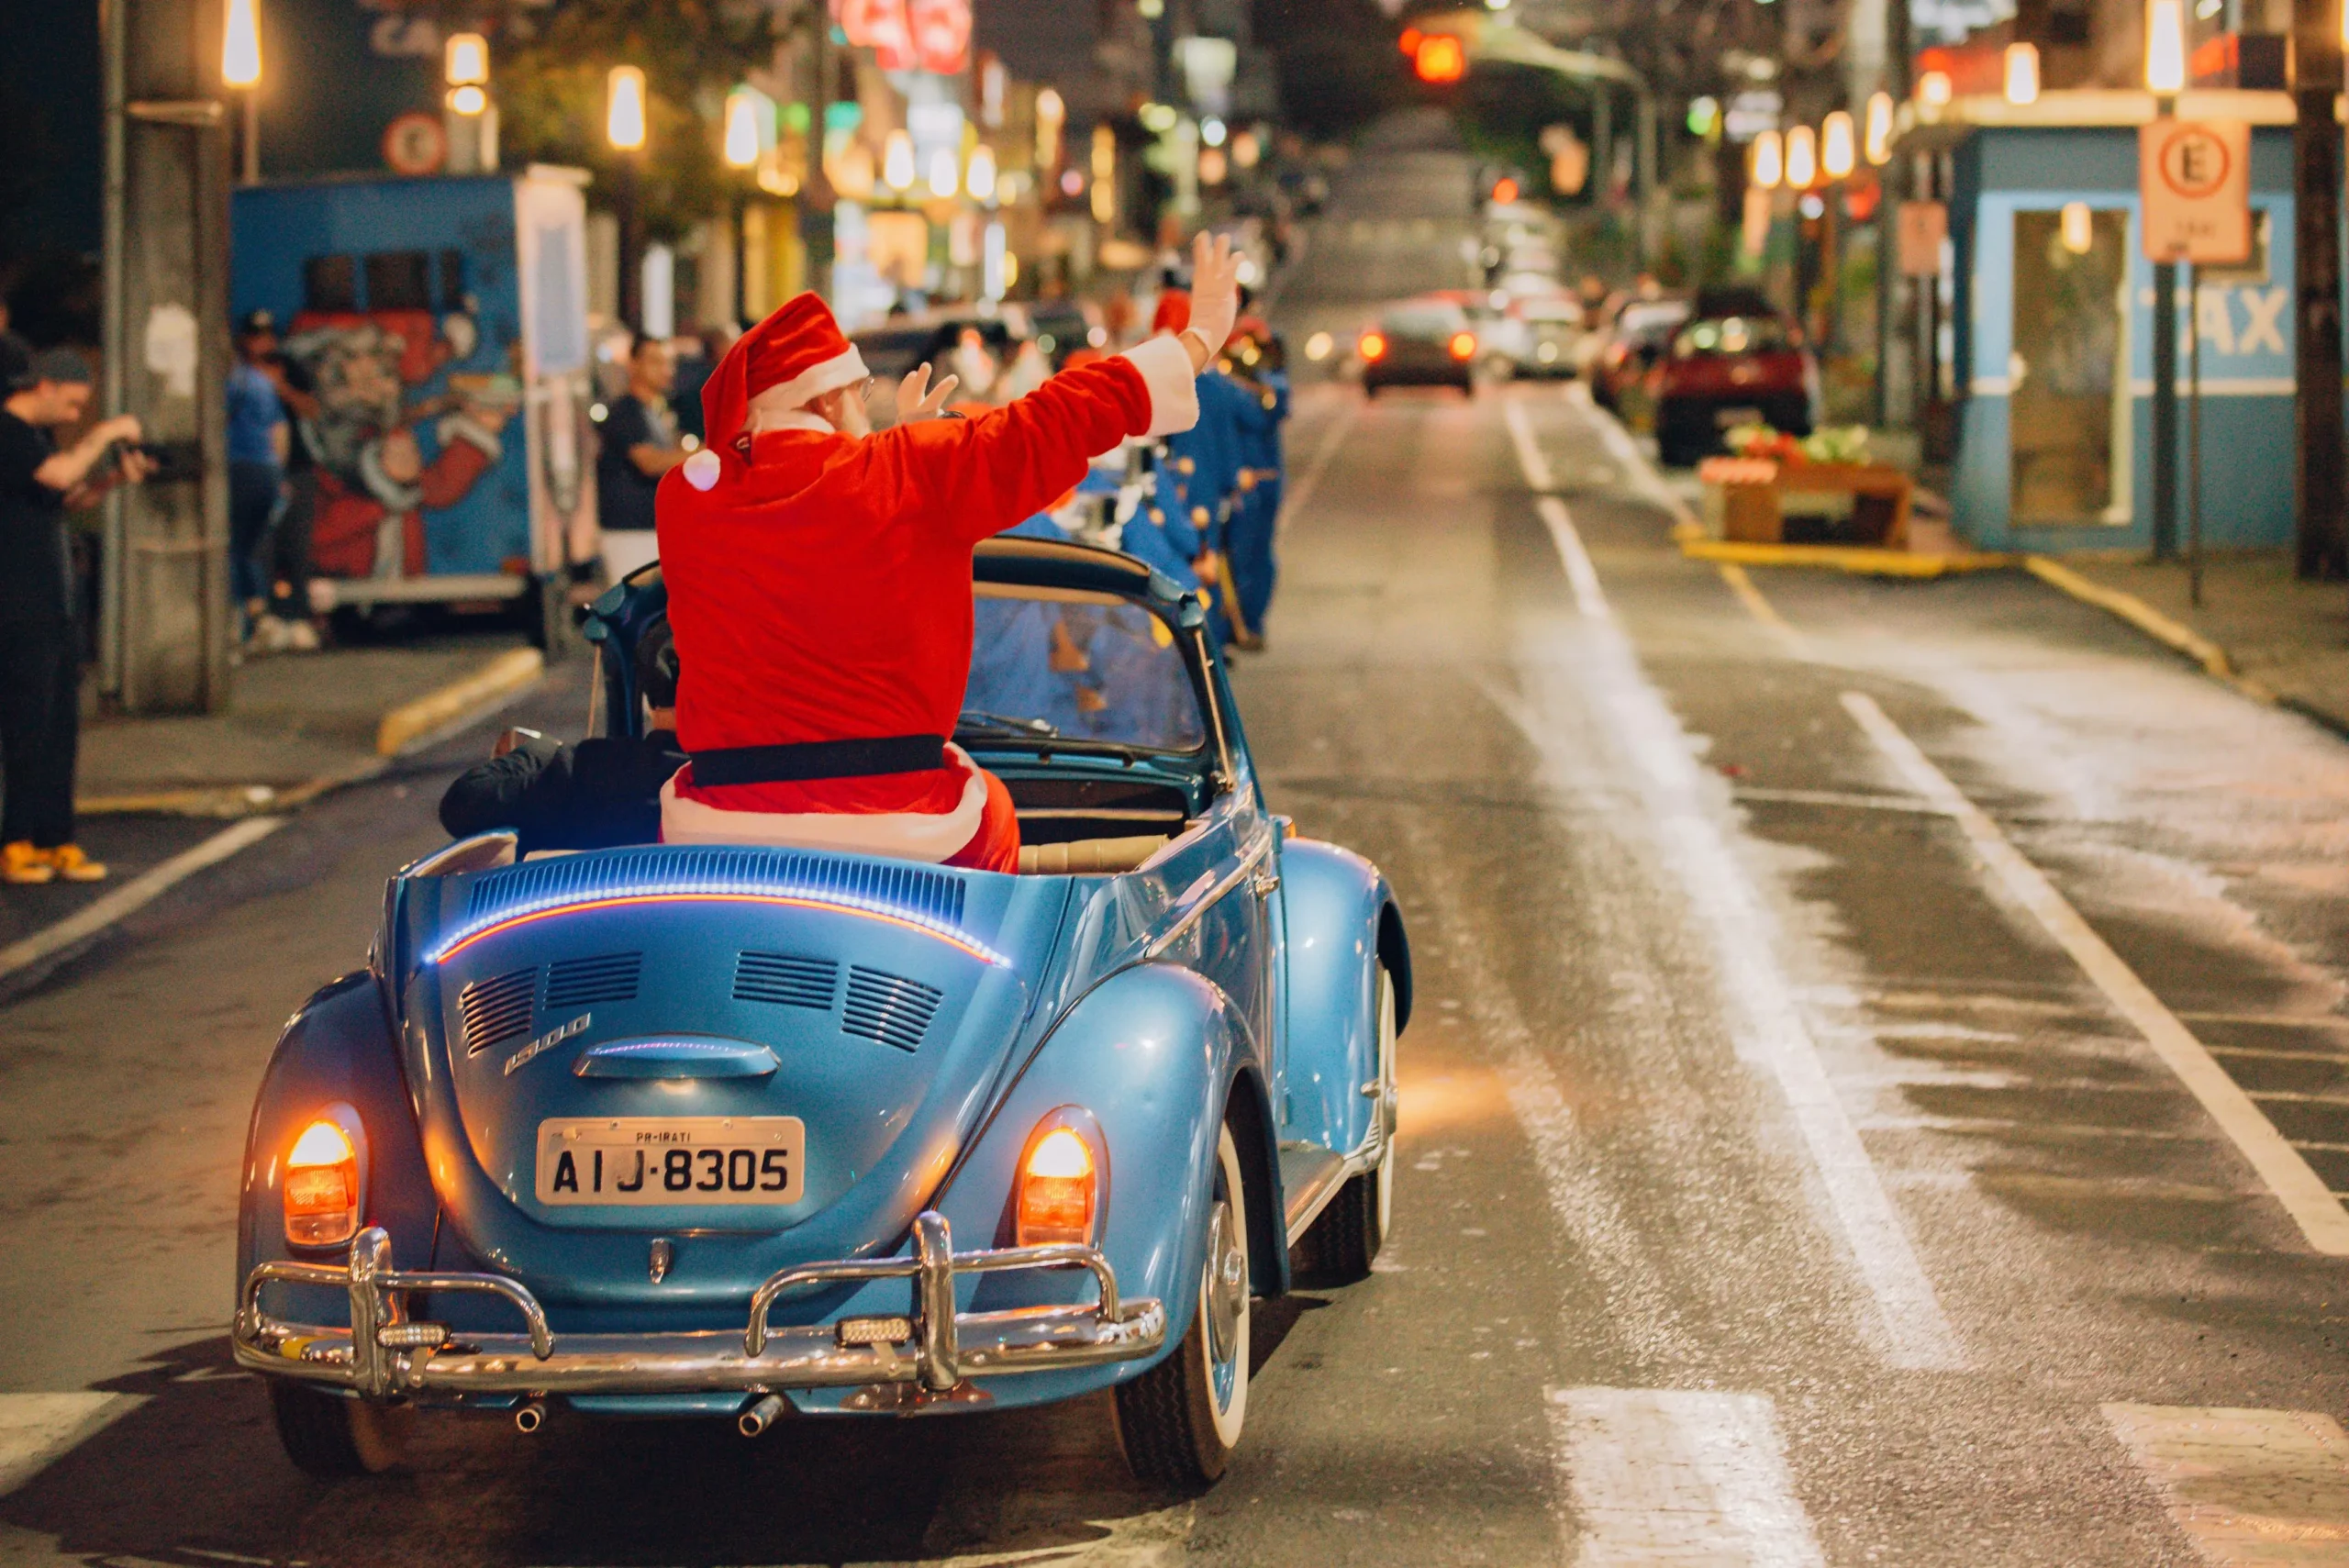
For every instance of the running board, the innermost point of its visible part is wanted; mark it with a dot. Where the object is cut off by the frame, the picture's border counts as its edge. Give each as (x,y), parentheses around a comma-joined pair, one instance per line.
(1311,1177)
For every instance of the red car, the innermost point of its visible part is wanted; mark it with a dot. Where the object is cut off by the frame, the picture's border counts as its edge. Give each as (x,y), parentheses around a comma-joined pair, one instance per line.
(1736,360)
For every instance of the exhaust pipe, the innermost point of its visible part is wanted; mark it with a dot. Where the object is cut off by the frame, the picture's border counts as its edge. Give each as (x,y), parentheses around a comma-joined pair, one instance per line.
(758,1417)
(530,1416)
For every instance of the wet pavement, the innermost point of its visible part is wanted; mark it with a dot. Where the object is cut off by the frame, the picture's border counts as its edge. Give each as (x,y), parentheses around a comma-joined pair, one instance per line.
(1867,1036)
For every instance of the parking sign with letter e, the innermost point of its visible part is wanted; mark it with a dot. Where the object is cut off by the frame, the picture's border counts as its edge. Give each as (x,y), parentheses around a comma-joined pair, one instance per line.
(2194,179)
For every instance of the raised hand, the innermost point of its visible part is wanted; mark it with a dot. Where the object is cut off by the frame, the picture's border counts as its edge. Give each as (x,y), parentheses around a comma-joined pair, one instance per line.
(917,399)
(1214,291)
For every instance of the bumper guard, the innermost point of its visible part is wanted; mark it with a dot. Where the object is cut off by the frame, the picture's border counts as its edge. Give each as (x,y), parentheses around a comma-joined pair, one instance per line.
(384,1353)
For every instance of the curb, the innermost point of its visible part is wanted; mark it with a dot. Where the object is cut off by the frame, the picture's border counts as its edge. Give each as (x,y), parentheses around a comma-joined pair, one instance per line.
(2149,620)
(418,723)
(1855,559)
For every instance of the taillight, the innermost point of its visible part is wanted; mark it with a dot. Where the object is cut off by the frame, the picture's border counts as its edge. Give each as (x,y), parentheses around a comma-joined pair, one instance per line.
(1463,345)
(321,1187)
(1373,346)
(1059,1189)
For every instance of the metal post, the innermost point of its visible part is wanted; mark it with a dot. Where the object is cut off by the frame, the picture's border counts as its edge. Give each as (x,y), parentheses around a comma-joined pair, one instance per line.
(631,300)
(2193,435)
(2165,410)
(1644,170)
(2323,548)
(249,171)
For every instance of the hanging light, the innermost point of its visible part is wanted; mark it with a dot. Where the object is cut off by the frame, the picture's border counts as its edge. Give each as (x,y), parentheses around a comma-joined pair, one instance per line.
(1934,89)
(2022,70)
(1878,141)
(2166,47)
(240,45)
(1104,174)
(464,60)
(468,100)
(945,179)
(1837,154)
(898,161)
(2078,225)
(624,107)
(1769,160)
(980,176)
(741,129)
(1802,158)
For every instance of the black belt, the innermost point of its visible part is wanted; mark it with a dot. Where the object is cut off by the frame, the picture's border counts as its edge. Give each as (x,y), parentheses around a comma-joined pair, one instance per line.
(819,760)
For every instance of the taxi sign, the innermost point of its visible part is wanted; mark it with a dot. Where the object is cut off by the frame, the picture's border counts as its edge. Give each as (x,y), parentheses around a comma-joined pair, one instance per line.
(2194,179)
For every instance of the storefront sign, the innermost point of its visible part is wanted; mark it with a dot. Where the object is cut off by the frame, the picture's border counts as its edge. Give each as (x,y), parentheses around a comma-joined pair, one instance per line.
(2194,178)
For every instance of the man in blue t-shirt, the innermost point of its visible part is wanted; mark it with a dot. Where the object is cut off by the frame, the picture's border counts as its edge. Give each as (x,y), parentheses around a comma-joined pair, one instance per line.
(259,442)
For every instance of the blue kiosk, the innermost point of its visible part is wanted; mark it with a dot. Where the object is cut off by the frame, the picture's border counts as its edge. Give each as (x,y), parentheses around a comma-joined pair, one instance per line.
(2051,343)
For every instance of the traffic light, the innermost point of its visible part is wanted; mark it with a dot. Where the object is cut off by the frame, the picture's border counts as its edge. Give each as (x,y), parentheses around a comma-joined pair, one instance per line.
(1439,58)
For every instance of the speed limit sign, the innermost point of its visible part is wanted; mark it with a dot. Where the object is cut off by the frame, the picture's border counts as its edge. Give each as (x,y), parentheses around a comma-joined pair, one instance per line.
(415,143)
(2194,178)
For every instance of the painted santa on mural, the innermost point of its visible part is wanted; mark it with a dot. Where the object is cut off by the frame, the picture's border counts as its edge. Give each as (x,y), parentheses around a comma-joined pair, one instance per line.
(819,578)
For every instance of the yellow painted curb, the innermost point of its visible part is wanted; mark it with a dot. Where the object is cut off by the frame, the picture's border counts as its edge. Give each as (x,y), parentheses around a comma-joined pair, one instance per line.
(2147,620)
(1840,558)
(411,722)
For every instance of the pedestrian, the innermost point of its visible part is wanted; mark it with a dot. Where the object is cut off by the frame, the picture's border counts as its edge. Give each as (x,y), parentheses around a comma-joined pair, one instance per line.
(639,444)
(40,652)
(1260,366)
(287,625)
(259,444)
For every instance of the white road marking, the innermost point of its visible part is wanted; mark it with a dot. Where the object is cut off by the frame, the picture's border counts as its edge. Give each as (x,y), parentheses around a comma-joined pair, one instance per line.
(1754,987)
(1795,644)
(1529,453)
(1679,1479)
(1293,504)
(136,893)
(37,1428)
(2249,1488)
(2302,1191)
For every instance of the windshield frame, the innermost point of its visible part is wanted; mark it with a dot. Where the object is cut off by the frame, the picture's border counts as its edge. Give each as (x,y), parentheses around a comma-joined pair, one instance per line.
(1185,644)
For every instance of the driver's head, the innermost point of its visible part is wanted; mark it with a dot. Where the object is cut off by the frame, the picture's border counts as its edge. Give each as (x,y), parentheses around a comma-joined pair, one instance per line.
(798,360)
(656,674)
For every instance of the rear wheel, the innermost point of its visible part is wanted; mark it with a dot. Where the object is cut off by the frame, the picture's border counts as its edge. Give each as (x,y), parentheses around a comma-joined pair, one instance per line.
(1345,1238)
(1180,1421)
(328,1436)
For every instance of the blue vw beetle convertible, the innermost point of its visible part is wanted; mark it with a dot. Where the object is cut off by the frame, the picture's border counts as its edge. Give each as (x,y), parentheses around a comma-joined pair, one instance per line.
(758,1134)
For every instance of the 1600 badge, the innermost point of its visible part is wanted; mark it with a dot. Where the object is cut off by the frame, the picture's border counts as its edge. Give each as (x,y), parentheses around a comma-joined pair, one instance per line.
(646,1161)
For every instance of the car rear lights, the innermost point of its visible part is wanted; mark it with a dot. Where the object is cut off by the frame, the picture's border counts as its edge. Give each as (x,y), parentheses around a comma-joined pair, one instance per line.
(1374,347)
(321,1186)
(1059,1188)
(1463,345)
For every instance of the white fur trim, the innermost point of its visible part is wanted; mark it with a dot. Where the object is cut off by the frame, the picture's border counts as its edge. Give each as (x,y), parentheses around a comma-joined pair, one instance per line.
(463,427)
(701,469)
(844,369)
(1165,367)
(899,834)
(793,419)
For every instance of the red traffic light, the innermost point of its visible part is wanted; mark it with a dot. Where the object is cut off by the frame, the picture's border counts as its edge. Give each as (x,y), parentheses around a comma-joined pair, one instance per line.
(1440,58)
(1505,190)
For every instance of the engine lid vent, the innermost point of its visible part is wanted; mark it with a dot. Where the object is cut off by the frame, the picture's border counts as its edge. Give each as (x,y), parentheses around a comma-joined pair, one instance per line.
(497,1009)
(786,981)
(576,982)
(889,1008)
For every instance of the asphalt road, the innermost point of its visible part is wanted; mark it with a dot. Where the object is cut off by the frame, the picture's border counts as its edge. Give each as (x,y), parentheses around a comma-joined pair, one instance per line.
(1867,1036)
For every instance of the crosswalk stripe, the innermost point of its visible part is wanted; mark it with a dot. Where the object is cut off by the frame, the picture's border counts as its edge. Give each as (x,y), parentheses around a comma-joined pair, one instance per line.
(1679,1478)
(2249,1488)
(37,1428)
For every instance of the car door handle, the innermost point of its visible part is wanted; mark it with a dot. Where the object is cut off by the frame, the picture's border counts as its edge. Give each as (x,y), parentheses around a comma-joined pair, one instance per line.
(1265,883)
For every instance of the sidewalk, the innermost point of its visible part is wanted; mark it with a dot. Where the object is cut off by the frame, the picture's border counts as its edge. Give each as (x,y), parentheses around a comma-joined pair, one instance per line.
(296,725)
(2277,637)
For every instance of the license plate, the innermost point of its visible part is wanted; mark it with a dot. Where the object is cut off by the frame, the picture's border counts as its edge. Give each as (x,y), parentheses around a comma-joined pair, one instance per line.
(1730,419)
(673,1159)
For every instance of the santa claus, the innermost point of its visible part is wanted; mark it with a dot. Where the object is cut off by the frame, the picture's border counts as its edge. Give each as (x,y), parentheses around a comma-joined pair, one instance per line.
(819,578)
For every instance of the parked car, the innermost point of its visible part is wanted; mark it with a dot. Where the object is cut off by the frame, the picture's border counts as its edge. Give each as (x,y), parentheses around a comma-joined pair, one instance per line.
(708,1131)
(1622,352)
(1422,342)
(1736,360)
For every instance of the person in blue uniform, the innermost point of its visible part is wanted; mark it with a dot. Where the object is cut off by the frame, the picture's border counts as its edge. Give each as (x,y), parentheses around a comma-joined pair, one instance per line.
(1250,538)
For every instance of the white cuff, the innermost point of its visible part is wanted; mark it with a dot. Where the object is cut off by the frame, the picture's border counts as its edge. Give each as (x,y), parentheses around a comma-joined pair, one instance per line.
(461,428)
(1165,367)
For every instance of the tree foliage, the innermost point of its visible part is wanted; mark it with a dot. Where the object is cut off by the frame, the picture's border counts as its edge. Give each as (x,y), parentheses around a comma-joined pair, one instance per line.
(1337,60)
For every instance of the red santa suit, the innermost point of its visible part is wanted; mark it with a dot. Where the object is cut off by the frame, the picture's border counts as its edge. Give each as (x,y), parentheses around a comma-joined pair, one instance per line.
(819,591)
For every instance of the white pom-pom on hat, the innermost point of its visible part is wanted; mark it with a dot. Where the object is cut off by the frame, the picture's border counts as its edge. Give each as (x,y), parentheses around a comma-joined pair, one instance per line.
(701,469)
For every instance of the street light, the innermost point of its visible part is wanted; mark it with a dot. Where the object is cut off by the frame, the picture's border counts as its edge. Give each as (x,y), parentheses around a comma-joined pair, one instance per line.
(1934,89)
(1802,158)
(2022,70)
(1879,129)
(240,69)
(465,61)
(741,129)
(980,178)
(1050,115)
(624,108)
(1769,160)
(1837,155)
(1104,174)
(2165,47)
(945,179)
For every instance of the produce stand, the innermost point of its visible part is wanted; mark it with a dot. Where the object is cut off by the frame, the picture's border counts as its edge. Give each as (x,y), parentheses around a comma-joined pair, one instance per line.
(1867,504)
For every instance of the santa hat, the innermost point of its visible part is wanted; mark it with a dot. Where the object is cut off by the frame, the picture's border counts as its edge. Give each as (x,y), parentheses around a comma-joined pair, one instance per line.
(1174,311)
(800,349)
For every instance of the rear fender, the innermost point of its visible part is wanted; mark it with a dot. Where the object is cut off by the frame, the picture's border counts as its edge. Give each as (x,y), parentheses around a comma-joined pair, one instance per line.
(1342,923)
(1155,1054)
(337,1049)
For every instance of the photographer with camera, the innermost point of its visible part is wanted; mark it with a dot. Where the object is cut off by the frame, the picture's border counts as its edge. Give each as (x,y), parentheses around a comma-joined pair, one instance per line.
(40,661)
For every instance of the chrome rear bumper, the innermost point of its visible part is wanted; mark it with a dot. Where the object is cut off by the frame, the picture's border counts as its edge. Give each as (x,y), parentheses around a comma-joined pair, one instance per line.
(384,1353)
